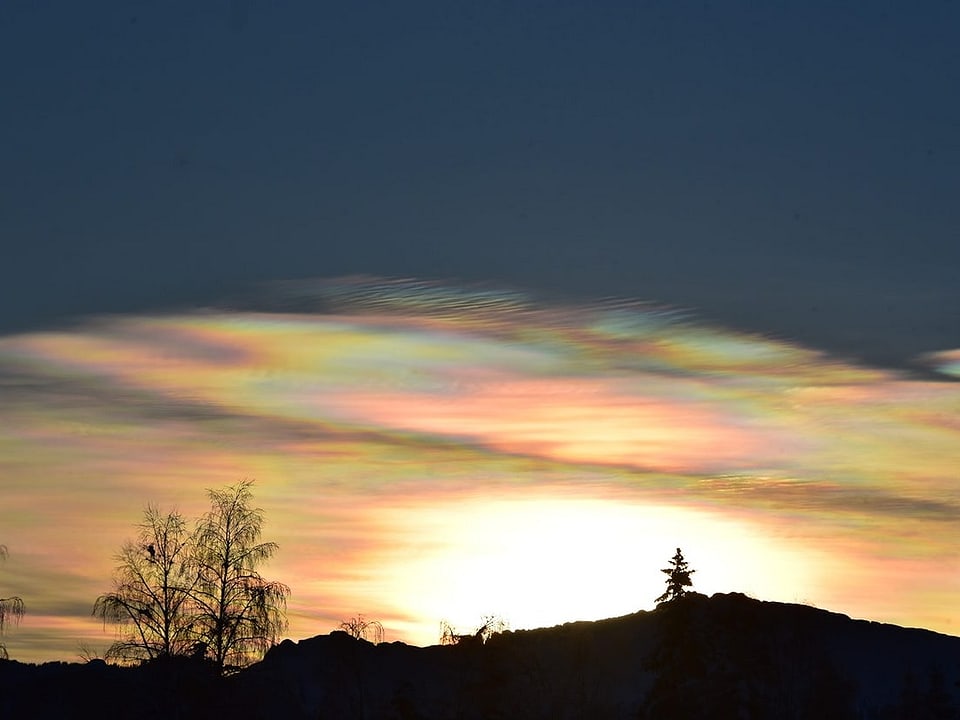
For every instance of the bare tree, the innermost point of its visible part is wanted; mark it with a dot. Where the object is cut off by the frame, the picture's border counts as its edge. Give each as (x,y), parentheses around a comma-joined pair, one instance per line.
(362,629)
(490,626)
(449,634)
(152,597)
(238,614)
(11,609)
(88,653)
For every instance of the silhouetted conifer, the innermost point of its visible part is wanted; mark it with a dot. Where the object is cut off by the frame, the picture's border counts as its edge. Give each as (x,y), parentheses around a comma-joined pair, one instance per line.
(678,578)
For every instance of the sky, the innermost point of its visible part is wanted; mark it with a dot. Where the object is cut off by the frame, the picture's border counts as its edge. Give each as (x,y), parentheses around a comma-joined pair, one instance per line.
(480,294)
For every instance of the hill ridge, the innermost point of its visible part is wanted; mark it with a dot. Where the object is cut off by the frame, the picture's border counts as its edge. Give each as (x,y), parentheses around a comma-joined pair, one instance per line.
(724,656)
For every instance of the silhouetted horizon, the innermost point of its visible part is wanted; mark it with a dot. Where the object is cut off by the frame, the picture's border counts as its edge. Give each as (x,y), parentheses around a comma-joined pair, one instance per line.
(730,653)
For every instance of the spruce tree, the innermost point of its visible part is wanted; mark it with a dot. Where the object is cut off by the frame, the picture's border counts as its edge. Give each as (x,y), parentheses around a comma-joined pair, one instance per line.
(678,578)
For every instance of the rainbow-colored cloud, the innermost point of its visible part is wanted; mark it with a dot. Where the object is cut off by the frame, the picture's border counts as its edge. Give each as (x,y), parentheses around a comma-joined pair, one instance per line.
(424,451)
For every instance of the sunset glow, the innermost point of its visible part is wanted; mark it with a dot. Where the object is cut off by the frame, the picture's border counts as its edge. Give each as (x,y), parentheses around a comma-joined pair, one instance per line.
(423,454)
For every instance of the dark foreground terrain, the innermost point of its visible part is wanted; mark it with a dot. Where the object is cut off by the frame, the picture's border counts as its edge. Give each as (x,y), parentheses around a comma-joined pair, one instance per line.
(728,656)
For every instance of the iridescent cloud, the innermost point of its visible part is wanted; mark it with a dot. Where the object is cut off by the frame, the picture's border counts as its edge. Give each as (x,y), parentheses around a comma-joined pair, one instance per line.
(947,362)
(425,452)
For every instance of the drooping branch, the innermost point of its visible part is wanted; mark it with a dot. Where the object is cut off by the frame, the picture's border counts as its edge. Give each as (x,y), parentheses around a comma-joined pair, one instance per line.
(11,608)
(152,583)
(240,614)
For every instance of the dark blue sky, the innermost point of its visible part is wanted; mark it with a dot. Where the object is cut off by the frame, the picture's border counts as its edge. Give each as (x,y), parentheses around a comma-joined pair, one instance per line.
(792,168)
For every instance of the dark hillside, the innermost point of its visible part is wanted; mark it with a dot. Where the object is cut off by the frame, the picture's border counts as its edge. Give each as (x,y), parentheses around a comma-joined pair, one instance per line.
(728,656)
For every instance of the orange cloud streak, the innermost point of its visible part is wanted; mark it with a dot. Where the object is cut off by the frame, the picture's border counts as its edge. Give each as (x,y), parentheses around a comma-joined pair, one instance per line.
(576,420)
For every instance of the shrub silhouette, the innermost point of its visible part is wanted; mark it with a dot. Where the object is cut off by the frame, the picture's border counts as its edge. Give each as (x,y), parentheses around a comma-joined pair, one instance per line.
(490,626)
(362,629)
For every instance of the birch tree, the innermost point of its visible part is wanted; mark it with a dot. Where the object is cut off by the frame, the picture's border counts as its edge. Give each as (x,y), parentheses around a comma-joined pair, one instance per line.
(238,613)
(151,602)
